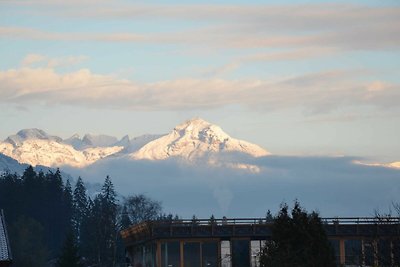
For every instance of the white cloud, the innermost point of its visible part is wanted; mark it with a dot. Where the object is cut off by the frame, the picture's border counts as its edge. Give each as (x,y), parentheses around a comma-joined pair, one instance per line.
(32,59)
(321,26)
(314,92)
(51,62)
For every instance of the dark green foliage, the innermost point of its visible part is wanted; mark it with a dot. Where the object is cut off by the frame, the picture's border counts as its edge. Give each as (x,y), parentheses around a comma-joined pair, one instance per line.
(80,208)
(99,229)
(68,204)
(298,239)
(51,209)
(69,254)
(28,243)
(88,235)
(43,199)
(108,223)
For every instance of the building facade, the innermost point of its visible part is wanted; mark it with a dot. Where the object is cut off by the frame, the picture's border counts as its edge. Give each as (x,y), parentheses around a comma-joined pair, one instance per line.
(238,242)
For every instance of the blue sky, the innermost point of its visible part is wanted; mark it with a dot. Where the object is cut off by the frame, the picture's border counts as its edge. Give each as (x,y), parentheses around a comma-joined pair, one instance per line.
(296,77)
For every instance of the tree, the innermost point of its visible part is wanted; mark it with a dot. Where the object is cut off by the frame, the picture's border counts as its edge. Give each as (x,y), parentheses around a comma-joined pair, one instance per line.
(141,208)
(56,216)
(298,239)
(69,254)
(108,222)
(68,204)
(80,207)
(125,221)
(27,243)
(99,229)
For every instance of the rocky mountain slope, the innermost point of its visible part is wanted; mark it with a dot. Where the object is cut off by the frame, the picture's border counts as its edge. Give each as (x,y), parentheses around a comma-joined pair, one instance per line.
(193,139)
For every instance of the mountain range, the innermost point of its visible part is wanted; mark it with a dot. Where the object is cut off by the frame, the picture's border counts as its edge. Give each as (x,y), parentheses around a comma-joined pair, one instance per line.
(192,140)
(199,169)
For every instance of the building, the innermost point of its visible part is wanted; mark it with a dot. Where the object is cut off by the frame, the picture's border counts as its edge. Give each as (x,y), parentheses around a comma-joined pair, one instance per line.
(238,242)
(5,251)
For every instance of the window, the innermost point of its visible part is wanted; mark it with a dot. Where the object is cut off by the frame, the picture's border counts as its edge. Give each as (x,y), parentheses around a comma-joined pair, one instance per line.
(170,254)
(353,252)
(240,253)
(209,251)
(191,254)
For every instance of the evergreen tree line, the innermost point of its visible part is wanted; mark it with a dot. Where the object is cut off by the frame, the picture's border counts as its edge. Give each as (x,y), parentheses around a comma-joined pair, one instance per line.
(298,239)
(52,224)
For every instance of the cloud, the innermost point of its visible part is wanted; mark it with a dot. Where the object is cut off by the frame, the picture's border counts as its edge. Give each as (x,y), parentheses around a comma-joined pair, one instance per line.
(323,26)
(31,59)
(334,185)
(51,62)
(316,92)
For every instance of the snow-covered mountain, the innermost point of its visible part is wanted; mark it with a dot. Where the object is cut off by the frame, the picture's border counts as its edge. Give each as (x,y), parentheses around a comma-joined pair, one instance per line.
(52,154)
(193,139)
(36,147)
(91,140)
(30,134)
(393,165)
(138,142)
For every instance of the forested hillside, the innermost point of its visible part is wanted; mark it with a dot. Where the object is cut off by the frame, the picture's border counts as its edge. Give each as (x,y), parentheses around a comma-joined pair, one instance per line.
(44,213)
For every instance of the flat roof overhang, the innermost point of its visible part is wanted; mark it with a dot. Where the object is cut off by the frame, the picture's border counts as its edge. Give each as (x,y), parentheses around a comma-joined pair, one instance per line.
(254,229)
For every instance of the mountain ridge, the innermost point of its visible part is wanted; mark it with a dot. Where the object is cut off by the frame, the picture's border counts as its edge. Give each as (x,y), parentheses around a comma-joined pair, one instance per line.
(195,138)
(190,140)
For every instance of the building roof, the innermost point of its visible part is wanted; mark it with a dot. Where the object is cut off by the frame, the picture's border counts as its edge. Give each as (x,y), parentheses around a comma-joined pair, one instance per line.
(5,251)
(256,228)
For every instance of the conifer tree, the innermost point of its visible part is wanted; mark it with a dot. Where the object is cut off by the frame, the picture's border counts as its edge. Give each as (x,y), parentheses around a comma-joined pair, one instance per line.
(69,254)
(89,235)
(68,204)
(56,217)
(80,207)
(108,222)
(298,239)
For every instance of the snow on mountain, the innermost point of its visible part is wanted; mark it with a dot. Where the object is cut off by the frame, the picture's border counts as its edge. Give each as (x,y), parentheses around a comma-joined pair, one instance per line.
(125,141)
(11,165)
(393,165)
(8,164)
(51,153)
(75,141)
(91,140)
(30,134)
(193,139)
(138,142)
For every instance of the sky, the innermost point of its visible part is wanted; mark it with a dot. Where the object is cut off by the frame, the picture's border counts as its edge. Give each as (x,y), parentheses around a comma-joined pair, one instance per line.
(305,78)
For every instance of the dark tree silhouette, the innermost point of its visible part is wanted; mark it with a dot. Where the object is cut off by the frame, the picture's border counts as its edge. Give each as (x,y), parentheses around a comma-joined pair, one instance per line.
(298,239)
(69,254)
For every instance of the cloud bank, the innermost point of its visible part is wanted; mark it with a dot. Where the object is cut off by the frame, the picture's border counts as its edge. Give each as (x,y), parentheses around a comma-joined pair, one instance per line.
(340,26)
(322,91)
(333,185)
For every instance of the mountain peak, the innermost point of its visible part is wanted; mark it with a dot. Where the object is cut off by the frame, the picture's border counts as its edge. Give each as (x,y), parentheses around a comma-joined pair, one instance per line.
(101,140)
(30,134)
(200,129)
(195,138)
(194,122)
